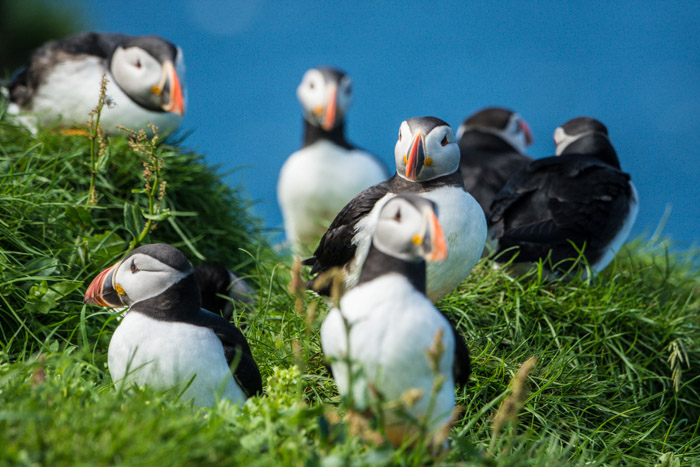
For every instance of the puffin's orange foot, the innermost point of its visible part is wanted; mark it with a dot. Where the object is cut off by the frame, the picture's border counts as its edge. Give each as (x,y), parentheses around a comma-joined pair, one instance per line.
(74,132)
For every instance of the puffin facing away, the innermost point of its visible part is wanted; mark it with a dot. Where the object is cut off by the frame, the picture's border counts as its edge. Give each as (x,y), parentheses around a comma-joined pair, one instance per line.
(319,179)
(166,338)
(492,145)
(578,199)
(60,84)
(427,163)
(392,326)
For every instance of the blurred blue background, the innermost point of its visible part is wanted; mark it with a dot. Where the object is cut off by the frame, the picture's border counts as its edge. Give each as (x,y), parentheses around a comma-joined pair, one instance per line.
(633,65)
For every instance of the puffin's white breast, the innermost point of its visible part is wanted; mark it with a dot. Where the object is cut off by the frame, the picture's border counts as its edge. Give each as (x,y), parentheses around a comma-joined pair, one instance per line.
(70,92)
(464,225)
(621,235)
(391,327)
(164,354)
(316,182)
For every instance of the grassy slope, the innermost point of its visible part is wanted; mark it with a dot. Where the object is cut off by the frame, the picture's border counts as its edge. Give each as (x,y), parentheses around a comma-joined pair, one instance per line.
(602,390)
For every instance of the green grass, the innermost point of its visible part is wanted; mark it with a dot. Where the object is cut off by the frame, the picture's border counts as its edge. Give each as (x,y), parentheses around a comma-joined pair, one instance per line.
(616,381)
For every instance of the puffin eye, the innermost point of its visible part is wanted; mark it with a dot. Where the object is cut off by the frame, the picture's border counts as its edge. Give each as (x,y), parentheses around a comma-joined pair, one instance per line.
(138,63)
(311,84)
(397,216)
(399,135)
(134,269)
(444,141)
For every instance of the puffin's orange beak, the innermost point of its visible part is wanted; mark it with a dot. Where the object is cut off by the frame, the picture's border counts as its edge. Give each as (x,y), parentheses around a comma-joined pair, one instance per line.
(438,247)
(416,156)
(173,90)
(331,109)
(101,291)
(528,133)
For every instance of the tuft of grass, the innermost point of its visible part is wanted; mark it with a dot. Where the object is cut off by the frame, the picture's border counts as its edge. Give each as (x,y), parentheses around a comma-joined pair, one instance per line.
(71,205)
(617,379)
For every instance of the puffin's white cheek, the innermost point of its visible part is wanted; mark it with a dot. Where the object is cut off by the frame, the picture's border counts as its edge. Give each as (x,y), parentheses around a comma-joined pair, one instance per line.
(400,151)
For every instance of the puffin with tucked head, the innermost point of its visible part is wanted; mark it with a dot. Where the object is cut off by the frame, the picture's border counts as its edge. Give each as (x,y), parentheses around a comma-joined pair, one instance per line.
(579,199)
(390,331)
(165,338)
(60,84)
(492,145)
(217,282)
(427,163)
(316,181)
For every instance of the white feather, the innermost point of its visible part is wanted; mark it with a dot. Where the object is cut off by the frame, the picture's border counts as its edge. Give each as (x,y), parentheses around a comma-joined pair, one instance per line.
(464,225)
(391,327)
(315,183)
(70,92)
(621,236)
(162,354)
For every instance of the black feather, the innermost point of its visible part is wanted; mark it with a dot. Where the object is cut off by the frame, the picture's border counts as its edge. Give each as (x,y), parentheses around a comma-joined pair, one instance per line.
(487,163)
(579,198)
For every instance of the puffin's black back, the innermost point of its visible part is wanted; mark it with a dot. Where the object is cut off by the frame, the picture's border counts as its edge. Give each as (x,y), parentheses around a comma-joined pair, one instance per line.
(579,198)
(336,248)
(44,58)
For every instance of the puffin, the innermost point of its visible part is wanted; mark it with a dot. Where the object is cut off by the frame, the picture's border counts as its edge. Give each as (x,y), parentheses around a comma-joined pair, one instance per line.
(216,282)
(387,328)
(60,84)
(166,339)
(492,145)
(579,199)
(316,181)
(427,162)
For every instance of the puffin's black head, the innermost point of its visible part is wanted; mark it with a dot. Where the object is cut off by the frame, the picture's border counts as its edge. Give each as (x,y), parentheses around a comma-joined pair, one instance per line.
(325,94)
(586,136)
(583,125)
(408,229)
(502,122)
(574,129)
(426,149)
(150,70)
(146,272)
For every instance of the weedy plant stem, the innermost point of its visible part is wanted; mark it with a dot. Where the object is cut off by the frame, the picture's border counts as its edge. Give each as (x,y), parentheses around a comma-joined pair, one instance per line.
(154,187)
(508,412)
(96,137)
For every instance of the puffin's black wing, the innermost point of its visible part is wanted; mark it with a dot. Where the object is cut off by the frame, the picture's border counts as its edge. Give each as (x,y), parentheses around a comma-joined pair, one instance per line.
(44,58)
(556,200)
(246,373)
(462,363)
(336,248)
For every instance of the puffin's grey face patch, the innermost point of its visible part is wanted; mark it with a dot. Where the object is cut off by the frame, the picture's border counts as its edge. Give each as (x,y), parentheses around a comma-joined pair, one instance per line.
(325,95)
(142,275)
(403,227)
(440,152)
(137,72)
